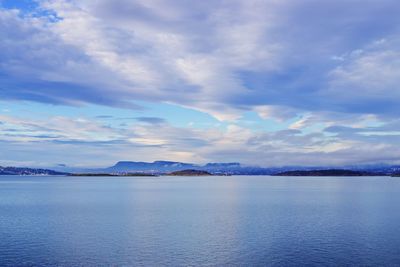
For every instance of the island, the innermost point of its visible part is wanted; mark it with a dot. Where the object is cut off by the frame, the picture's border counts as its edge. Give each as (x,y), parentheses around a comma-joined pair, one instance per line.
(329,172)
(190,173)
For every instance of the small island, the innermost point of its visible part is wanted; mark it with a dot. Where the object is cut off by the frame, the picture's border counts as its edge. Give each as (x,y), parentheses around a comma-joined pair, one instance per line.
(330,172)
(190,173)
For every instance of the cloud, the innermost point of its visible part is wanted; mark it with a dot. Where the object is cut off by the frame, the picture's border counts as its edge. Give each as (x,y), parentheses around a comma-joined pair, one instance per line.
(37,65)
(368,81)
(279,113)
(88,142)
(385,134)
(326,71)
(151,120)
(222,58)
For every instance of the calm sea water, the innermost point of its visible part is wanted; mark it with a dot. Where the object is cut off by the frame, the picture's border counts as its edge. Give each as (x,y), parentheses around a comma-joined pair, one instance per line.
(193,221)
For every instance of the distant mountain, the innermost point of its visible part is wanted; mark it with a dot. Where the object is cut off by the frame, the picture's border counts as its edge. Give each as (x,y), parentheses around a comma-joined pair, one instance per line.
(150,167)
(27,171)
(376,168)
(229,168)
(222,165)
(330,172)
(164,167)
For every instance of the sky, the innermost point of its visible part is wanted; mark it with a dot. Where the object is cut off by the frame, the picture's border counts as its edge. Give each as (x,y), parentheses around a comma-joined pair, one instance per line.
(87,83)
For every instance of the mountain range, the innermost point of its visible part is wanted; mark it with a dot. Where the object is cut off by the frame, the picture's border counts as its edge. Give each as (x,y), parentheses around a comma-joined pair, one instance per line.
(231,168)
(164,167)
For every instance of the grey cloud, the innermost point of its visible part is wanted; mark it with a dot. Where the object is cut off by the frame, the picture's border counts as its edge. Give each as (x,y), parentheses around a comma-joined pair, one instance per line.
(256,53)
(151,120)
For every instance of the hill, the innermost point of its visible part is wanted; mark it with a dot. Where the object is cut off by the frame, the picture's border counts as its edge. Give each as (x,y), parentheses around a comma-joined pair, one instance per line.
(190,173)
(28,171)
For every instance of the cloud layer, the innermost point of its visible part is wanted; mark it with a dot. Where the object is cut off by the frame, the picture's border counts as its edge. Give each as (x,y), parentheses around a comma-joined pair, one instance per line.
(220,57)
(332,65)
(93,142)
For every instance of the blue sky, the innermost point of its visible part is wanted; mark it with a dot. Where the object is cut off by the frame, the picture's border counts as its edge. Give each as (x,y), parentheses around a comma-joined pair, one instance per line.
(269,83)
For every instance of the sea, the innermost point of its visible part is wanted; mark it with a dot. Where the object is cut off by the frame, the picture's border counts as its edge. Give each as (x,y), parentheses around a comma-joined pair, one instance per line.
(199,221)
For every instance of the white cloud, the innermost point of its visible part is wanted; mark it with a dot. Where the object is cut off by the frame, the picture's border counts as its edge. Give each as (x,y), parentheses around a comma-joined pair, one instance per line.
(279,113)
(148,51)
(84,141)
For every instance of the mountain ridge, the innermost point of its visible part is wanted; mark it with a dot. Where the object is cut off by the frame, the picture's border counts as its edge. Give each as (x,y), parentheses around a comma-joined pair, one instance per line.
(235,168)
(161,167)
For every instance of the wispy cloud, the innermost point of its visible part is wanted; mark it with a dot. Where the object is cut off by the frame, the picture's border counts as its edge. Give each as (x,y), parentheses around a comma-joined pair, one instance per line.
(83,141)
(218,57)
(151,120)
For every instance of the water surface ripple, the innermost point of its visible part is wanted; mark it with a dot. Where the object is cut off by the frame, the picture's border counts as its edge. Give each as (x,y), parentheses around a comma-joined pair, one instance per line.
(199,221)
